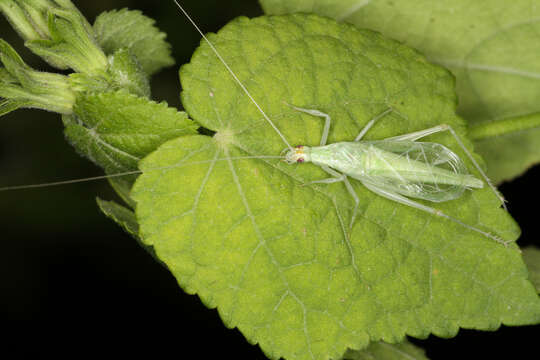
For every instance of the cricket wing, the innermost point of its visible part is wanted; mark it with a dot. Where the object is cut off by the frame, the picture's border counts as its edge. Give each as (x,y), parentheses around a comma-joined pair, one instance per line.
(420,170)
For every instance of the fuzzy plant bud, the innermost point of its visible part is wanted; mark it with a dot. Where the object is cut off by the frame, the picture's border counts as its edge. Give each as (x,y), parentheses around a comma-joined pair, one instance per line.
(22,86)
(57,32)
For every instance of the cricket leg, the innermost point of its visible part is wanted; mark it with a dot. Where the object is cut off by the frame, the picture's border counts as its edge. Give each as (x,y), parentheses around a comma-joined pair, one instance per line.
(338,177)
(371,123)
(326,117)
(406,201)
(443,127)
(355,198)
(419,134)
(477,166)
(328,121)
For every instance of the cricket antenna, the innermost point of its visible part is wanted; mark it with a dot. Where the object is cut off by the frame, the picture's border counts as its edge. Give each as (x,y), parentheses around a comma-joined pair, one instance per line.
(132,172)
(68,182)
(234,75)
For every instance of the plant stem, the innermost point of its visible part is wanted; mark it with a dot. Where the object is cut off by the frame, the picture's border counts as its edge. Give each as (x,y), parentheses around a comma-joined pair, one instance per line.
(490,129)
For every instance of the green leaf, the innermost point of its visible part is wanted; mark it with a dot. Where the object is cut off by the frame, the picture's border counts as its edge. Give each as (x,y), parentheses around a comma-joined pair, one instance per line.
(123,189)
(116,129)
(126,73)
(531,255)
(126,219)
(491,46)
(383,351)
(273,253)
(121,215)
(132,30)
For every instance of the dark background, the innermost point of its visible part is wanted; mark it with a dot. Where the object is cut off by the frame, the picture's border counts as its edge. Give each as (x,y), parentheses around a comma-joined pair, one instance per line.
(73,284)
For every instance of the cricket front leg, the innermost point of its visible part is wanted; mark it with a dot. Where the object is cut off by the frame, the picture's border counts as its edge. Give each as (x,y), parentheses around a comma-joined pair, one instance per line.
(339,177)
(356,201)
(326,117)
(336,177)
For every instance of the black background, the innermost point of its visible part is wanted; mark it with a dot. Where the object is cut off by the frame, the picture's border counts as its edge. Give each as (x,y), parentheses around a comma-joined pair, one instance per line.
(73,284)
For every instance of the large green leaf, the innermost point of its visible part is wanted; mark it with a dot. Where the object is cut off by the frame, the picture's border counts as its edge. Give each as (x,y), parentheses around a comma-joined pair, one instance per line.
(276,255)
(491,46)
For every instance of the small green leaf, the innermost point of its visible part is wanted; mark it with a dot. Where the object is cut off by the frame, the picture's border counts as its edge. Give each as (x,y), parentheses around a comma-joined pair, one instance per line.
(383,351)
(127,221)
(121,215)
(126,73)
(531,255)
(491,46)
(275,254)
(130,29)
(123,189)
(116,129)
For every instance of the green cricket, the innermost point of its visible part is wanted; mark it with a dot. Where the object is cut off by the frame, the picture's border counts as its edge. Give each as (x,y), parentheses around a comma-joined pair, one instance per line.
(398,168)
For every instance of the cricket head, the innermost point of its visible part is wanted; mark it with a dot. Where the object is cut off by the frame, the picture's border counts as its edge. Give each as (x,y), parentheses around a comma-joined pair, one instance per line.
(299,154)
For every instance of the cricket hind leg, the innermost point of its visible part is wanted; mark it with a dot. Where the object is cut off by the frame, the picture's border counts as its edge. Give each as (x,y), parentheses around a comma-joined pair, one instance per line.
(406,201)
(419,134)
(444,127)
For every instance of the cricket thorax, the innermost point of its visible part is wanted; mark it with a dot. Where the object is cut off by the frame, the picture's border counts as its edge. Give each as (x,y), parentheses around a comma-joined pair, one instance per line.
(299,154)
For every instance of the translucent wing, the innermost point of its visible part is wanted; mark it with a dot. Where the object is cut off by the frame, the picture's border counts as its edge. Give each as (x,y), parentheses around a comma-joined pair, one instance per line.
(421,170)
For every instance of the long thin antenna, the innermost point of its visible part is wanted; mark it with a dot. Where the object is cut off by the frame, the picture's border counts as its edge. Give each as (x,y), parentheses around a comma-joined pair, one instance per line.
(127,173)
(234,75)
(67,182)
